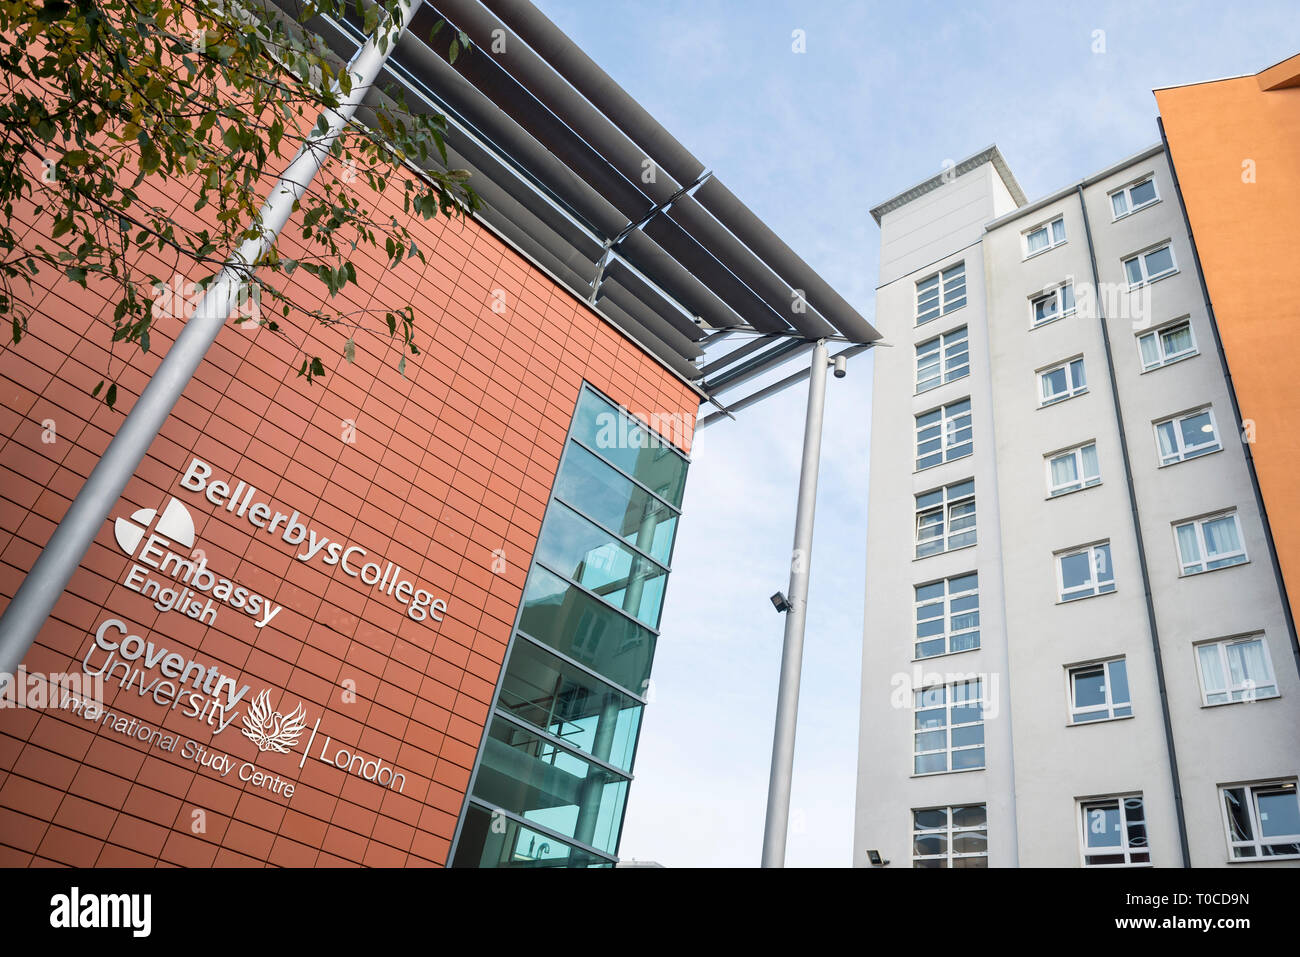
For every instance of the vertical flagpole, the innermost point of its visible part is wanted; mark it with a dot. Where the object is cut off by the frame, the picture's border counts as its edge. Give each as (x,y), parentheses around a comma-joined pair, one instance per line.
(49,576)
(787,699)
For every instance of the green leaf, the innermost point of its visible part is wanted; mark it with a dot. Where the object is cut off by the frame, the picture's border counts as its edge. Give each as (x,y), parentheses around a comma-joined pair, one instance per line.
(95,393)
(110,397)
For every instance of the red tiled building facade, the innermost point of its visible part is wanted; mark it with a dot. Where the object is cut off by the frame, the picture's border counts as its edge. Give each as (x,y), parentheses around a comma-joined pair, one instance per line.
(442,477)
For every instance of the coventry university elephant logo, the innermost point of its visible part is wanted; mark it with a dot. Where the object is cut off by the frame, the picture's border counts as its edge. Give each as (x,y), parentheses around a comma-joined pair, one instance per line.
(271,730)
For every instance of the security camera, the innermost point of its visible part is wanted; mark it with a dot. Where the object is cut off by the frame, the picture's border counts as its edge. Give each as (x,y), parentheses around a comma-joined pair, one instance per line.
(841,367)
(780,603)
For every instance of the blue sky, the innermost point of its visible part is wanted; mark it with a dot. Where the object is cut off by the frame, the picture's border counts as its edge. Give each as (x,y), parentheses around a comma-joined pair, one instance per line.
(884,95)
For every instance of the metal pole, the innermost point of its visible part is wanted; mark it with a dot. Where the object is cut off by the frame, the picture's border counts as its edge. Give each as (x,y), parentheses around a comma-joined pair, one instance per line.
(787,699)
(49,576)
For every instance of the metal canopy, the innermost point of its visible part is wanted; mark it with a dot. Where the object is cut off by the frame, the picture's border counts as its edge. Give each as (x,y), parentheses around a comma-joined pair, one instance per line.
(580,178)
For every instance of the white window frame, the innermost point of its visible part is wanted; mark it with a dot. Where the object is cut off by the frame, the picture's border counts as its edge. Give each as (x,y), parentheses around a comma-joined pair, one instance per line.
(1167,359)
(1141,258)
(945,506)
(1181,454)
(1201,567)
(1248,690)
(946,374)
(946,300)
(1257,841)
(948,727)
(949,428)
(1095,583)
(1111,709)
(1083,482)
(1127,850)
(1056,293)
(949,832)
(1073,388)
(1052,243)
(948,633)
(1126,191)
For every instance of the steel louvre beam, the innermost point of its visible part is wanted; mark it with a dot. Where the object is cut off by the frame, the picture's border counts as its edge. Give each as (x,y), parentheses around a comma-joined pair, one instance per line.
(668,274)
(735,355)
(491,122)
(598,87)
(649,318)
(638,287)
(781,352)
(754,233)
(633,328)
(742,262)
(543,125)
(714,275)
(541,80)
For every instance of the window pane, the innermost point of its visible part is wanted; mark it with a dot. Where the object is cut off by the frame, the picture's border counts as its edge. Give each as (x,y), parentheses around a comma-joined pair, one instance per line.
(1065,471)
(1143,192)
(575,624)
(1037,240)
(1168,440)
(556,697)
(972,758)
(1189,547)
(1197,430)
(1076,570)
(1058,231)
(1118,682)
(1101,825)
(573,546)
(1159,261)
(1091,470)
(1090,688)
(587,483)
(1212,674)
(1134,270)
(490,840)
(1054,383)
(930,819)
(550,786)
(972,816)
(620,439)
(1118,203)
(1221,536)
(1176,340)
(1279,813)
(1150,350)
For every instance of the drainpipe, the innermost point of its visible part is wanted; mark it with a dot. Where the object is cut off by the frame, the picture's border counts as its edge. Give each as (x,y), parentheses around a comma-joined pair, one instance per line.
(49,576)
(1141,546)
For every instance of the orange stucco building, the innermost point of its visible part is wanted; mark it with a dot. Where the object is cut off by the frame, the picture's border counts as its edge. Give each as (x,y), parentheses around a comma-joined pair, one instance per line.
(1235,146)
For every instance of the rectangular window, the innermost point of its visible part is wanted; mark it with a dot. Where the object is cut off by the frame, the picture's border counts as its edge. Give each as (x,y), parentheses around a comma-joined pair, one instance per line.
(1205,544)
(1052,305)
(1045,237)
(1085,572)
(941,293)
(950,837)
(1163,346)
(948,616)
(1130,199)
(943,434)
(1263,820)
(1099,692)
(1150,266)
(1235,669)
(945,519)
(1061,382)
(942,359)
(949,733)
(1073,469)
(1187,436)
(1114,832)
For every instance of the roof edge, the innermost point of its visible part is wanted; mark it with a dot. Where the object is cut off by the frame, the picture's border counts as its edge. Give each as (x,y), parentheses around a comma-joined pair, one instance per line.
(990,154)
(1064,191)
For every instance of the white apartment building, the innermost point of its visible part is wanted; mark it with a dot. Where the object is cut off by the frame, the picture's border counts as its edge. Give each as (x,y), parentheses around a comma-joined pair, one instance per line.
(1075,650)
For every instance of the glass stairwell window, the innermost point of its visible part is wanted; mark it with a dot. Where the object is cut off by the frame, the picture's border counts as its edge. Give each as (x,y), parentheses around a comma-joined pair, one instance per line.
(941,293)
(551,781)
(942,359)
(945,519)
(947,616)
(943,435)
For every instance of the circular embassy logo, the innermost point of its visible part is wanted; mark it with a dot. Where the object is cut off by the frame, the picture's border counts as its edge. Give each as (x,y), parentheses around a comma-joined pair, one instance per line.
(175,525)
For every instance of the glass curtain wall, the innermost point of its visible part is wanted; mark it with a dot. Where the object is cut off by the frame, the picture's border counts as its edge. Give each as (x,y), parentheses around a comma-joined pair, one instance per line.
(552,776)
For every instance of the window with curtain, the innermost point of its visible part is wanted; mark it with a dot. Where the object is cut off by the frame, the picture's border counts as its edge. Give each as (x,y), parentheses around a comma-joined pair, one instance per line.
(1045,237)
(1205,544)
(1163,346)
(1073,469)
(1235,669)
